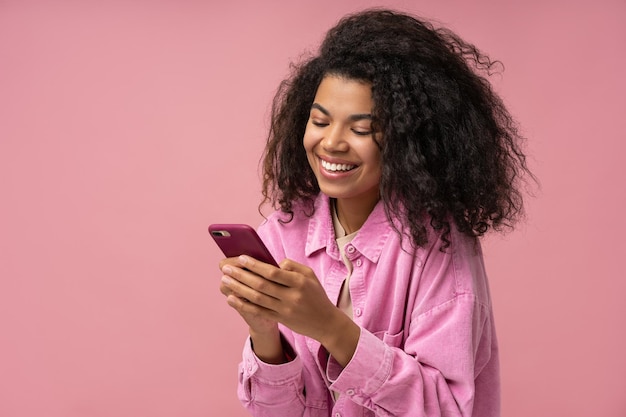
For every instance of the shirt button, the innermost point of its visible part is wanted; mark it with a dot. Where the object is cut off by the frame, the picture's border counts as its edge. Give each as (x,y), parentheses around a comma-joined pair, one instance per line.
(358,312)
(350,249)
(350,392)
(359,262)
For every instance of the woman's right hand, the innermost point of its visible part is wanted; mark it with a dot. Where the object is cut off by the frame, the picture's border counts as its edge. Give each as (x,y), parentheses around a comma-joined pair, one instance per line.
(264,332)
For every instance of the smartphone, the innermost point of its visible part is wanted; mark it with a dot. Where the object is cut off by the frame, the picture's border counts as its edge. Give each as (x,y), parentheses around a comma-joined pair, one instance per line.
(240,239)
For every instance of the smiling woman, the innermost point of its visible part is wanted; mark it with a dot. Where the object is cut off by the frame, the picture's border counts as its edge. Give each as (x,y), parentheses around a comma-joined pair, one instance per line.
(380,304)
(127,127)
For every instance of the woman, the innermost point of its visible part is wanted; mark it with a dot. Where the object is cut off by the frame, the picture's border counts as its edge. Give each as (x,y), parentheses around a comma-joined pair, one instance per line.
(389,155)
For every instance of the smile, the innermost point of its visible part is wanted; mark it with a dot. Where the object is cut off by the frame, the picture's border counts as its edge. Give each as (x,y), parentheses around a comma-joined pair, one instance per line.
(336,167)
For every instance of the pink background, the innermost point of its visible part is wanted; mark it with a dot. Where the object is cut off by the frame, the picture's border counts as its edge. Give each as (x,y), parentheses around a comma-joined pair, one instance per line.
(126,127)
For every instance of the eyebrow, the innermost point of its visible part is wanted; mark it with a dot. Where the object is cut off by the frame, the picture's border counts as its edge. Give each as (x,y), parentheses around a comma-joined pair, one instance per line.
(353,117)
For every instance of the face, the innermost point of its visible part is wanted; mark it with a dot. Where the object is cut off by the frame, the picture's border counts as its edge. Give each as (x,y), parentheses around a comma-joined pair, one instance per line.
(340,143)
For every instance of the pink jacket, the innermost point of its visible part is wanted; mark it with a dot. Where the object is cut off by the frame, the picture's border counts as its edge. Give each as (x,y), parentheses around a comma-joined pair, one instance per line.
(427,345)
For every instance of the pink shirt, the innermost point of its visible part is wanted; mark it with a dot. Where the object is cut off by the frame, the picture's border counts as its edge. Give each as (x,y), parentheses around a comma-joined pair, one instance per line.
(427,345)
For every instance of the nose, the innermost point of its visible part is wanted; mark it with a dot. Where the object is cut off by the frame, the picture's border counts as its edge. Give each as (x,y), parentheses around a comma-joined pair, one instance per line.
(334,141)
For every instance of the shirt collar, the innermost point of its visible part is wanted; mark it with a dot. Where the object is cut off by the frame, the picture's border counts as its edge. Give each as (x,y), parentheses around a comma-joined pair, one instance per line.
(368,241)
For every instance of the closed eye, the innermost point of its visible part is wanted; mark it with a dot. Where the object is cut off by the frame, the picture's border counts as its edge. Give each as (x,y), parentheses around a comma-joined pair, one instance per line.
(318,123)
(362,132)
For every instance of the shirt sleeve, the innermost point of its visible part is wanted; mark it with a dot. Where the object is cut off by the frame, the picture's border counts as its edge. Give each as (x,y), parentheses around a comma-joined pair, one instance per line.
(270,390)
(432,375)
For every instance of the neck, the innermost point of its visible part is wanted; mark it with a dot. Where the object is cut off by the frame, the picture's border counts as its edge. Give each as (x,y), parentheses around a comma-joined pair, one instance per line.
(353,214)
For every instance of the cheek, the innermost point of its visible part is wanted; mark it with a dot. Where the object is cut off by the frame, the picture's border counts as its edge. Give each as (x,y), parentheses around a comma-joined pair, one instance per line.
(370,153)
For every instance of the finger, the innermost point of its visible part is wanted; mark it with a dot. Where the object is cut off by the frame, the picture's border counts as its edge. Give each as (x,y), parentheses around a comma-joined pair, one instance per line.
(247,309)
(225,290)
(245,291)
(293,266)
(229,261)
(269,272)
(250,279)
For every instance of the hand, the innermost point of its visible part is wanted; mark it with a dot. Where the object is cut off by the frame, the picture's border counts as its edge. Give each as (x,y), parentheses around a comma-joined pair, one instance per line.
(291,295)
(257,323)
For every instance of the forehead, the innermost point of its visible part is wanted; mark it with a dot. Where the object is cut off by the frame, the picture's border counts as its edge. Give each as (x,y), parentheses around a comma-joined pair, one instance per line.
(345,92)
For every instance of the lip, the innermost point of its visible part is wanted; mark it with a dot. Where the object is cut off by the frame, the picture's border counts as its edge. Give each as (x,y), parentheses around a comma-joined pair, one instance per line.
(332,160)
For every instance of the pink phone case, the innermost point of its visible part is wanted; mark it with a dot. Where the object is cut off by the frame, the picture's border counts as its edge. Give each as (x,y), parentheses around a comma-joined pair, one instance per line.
(240,239)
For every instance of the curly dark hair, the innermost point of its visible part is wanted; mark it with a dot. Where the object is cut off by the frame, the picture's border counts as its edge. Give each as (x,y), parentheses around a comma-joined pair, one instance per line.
(451,152)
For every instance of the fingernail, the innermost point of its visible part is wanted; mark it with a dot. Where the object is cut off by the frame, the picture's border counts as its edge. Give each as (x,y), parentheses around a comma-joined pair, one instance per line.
(227,269)
(243,259)
(226,280)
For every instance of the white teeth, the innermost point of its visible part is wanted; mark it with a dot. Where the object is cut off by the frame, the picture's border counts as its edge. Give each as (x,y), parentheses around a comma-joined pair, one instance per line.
(336,167)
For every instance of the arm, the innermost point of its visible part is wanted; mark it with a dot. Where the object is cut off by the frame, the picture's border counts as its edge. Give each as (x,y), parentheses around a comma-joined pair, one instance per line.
(432,374)
(264,362)
(435,353)
(292,296)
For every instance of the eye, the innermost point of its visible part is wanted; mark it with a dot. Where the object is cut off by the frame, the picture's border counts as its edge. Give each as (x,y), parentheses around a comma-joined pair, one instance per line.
(318,123)
(361,132)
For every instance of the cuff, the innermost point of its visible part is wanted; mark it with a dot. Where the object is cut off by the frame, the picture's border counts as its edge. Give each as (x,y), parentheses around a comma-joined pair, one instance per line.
(368,369)
(252,366)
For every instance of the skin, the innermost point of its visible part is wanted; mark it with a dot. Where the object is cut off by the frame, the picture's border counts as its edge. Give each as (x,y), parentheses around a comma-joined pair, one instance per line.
(338,131)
